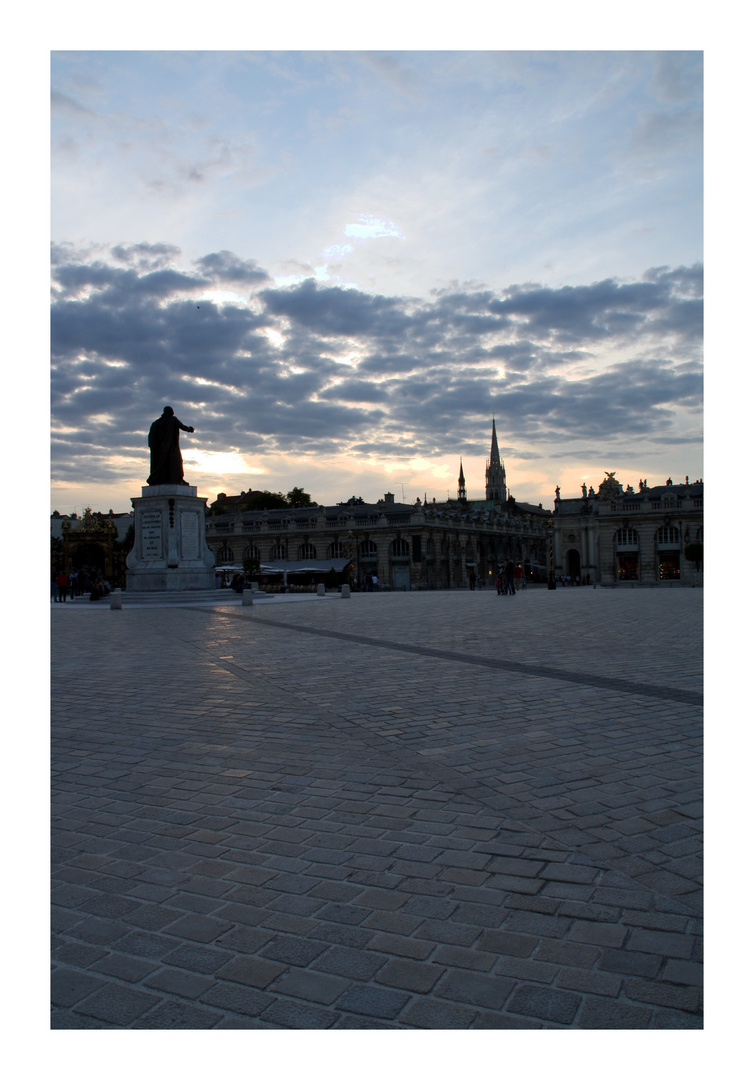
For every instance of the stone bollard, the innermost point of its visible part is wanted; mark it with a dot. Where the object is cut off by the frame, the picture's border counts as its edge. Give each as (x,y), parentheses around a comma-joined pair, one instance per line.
(345,591)
(247,598)
(116,600)
(320,589)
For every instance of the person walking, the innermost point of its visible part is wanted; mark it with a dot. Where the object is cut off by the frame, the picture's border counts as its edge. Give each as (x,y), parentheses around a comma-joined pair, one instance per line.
(510,587)
(472,580)
(62,583)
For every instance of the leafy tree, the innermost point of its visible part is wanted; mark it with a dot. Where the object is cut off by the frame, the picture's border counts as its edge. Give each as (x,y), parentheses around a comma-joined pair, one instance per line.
(265,500)
(694,552)
(251,566)
(297,497)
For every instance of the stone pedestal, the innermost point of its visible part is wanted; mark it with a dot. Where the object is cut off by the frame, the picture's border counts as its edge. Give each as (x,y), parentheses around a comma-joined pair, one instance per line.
(170,552)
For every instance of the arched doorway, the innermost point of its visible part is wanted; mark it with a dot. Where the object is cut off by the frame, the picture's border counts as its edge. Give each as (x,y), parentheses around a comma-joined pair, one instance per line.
(573,564)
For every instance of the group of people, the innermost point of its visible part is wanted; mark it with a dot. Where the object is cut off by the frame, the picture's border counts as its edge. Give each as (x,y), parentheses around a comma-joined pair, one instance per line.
(77,583)
(371,583)
(510,579)
(566,579)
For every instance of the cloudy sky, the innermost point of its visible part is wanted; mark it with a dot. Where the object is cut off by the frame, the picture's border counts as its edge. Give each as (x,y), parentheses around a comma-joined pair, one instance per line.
(338,267)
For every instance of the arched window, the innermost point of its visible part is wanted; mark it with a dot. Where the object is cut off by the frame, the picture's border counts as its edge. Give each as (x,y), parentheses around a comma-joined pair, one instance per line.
(668,536)
(627,538)
(399,547)
(336,550)
(307,551)
(279,551)
(251,552)
(368,549)
(224,556)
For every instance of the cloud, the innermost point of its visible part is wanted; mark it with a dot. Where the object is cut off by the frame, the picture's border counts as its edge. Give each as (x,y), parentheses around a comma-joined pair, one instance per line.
(225,266)
(358,374)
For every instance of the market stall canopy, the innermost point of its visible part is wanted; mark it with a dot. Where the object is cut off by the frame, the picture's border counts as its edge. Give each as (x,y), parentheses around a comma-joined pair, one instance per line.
(308,566)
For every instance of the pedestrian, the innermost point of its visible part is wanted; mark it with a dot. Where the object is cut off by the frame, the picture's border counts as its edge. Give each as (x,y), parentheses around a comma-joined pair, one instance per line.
(499,583)
(472,580)
(510,587)
(53,586)
(62,582)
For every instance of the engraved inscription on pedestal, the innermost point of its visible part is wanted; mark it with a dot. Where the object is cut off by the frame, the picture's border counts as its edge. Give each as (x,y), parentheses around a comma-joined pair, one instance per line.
(151,535)
(189,535)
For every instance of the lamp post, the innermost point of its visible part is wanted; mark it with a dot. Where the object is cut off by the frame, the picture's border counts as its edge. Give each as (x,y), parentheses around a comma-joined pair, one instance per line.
(550,557)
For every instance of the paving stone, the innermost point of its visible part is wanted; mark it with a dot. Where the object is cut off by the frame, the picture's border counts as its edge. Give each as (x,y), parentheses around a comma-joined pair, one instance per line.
(684,972)
(679,946)
(179,1014)
(470,959)
(131,968)
(175,981)
(411,948)
(438,1015)
(236,998)
(293,950)
(556,1006)
(507,943)
(688,998)
(197,958)
(311,986)
(69,986)
(350,963)
(117,1004)
(372,1001)
(600,1012)
(589,981)
(486,991)
(404,974)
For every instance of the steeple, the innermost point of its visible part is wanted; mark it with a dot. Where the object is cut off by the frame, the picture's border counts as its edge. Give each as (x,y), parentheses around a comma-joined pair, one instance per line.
(461,484)
(496,490)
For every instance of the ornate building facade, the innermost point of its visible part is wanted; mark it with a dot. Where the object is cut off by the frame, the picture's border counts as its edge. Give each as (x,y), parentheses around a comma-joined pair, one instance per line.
(650,536)
(405,545)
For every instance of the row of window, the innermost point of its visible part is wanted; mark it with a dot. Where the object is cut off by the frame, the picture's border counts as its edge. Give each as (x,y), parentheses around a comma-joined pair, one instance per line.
(399,548)
(666,536)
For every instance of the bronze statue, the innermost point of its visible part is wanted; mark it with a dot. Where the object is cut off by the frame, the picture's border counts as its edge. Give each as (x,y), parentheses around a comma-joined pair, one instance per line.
(166,463)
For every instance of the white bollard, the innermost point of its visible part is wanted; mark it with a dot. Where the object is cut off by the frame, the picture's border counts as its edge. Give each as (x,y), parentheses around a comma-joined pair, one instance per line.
(320,589)
(116,600)
(247,598)
(345,591)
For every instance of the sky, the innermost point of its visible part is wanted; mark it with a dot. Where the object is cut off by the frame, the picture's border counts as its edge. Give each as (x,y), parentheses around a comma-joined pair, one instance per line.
(340,266)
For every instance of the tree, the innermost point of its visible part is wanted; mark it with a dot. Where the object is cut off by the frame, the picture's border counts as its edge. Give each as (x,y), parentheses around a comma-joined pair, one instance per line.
(694,552)
(251,566)
(297,497)
(265,500)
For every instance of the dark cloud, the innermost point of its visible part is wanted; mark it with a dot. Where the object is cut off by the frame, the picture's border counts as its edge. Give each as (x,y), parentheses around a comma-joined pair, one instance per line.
(225,266)
(130,333)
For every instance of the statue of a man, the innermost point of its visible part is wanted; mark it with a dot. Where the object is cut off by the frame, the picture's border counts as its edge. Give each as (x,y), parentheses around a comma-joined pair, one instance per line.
(166,463)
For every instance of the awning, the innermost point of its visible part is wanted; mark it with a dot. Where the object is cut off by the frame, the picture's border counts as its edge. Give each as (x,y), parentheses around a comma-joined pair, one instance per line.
(311,566)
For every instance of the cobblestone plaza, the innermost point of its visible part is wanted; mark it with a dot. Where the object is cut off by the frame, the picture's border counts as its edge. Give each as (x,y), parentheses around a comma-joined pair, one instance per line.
(425,810)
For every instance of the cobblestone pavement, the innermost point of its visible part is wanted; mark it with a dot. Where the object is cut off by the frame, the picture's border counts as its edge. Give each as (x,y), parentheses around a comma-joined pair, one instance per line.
(423,810)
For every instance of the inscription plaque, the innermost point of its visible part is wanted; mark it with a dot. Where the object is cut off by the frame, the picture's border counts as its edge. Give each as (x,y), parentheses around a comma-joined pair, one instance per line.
(189,534)
(151,534)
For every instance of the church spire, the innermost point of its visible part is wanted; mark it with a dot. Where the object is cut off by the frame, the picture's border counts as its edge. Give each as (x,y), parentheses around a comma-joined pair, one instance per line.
(496,490)
(494,452)
(461,484)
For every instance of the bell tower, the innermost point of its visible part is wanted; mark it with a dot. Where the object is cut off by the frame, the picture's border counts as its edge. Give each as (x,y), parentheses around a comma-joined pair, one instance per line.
(495,487)
(461,485)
